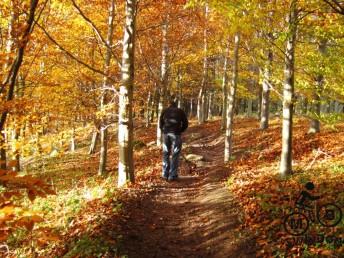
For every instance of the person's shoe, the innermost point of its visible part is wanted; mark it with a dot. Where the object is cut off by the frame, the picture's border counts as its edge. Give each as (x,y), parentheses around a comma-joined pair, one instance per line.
(164,177)
(173,178)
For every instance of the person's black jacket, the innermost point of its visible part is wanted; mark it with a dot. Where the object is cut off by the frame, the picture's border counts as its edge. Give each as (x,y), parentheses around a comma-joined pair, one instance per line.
(173,120)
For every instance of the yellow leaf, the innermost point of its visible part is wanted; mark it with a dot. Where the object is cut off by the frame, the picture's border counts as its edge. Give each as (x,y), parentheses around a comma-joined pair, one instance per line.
(7,210)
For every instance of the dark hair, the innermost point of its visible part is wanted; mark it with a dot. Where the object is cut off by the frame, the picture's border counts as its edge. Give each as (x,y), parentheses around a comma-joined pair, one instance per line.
(172,101)
(309,186)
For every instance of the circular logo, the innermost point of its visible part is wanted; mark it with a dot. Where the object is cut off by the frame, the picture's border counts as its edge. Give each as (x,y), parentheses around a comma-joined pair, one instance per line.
(296,224)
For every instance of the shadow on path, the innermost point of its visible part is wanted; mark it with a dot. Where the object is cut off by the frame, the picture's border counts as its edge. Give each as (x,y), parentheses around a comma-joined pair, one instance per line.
(195,216)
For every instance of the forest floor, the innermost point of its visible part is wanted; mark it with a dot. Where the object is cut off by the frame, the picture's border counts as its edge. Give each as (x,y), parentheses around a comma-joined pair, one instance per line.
(195,216)
(213,210)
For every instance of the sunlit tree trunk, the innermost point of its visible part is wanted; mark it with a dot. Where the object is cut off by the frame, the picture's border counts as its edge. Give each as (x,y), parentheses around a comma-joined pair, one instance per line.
(72,142)
(149,109)
(94,141)
(224,89)
(104,98)
(265,105)
(288,93)
(201,101)
(210,105)
(259,102)
(316,102)
(231,100)
(163,78)
(125,119)
(180,89)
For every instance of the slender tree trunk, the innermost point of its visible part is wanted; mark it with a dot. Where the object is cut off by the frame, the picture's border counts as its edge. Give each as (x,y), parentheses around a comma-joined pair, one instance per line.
(192,104)
(16,153)
(249,108)
(304,105)
(72,142)
(201,103)
(224,89)
(265,106)
(288,94)
(163,78)
(11,78)
(2,151)
(94,141)
(149,109)
(125,121)
(9,49)
(180,90)
(104,100)
(259,106)
(210,105)
(316,103)
(231,100)
(155,104)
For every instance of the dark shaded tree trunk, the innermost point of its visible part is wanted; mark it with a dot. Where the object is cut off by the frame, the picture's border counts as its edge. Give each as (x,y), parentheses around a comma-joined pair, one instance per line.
(316,102)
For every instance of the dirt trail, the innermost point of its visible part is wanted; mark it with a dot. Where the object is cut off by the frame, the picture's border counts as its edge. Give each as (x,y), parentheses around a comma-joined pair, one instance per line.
(193,217)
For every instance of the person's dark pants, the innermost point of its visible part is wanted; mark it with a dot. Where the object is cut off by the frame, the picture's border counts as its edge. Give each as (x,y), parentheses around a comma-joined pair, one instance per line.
(172,142)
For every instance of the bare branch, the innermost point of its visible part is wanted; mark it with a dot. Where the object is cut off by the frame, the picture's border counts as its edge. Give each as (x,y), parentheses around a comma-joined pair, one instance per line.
(96,31)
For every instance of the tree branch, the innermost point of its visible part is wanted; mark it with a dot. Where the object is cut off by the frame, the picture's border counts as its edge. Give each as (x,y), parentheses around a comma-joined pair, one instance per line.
(97,32)
(71,55)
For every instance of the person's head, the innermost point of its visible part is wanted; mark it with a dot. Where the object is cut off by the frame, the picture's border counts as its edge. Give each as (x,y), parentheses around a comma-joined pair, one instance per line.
(172,101)
(309,186)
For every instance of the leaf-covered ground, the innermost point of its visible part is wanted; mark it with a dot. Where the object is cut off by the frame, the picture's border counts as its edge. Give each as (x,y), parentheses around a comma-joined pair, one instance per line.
(215,210)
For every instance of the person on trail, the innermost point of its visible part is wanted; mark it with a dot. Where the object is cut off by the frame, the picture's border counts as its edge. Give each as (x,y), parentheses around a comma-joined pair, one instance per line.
(173,122)
(305,197)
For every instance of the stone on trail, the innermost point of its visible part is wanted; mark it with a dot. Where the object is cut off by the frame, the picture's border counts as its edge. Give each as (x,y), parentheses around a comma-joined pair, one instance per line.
(194,157)
(150,144)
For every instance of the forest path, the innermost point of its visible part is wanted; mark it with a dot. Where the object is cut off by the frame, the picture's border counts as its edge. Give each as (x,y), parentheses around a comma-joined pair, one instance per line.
(195,216)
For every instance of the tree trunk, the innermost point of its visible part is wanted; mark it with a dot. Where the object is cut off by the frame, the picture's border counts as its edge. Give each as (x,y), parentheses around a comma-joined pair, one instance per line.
(72,142)
(316,102)
(149,109)
(94,141)
(104,99)
(125,119)
(201,105)
(180,88)
(210,105)
(155,104)
(231,100)
(163,78)
(2,151)
(265,106)
(259,106)
(10,79)
(249,108)
(224,89)
(288,94)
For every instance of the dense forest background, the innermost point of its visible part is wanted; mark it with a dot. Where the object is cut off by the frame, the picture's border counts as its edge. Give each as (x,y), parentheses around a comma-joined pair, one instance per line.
(83,83)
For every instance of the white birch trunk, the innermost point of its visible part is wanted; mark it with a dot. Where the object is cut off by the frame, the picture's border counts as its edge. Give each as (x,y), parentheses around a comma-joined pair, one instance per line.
(125,119)
(225,89)
(163,78)
(265,105)
(231,100)
(201,104)
(288,94)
